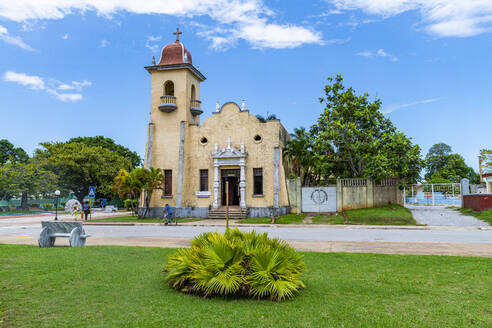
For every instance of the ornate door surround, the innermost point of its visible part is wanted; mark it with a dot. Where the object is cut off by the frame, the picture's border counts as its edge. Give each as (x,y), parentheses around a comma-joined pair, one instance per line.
(226,157)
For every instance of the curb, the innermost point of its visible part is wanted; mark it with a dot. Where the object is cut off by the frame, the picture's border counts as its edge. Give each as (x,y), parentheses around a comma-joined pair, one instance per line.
(312,226)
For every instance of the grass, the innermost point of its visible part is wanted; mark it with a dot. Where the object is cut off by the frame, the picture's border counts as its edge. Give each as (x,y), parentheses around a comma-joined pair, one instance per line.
(385,215)
(284,219)
(483,215)
(15,212)
(101,286)
(136,219)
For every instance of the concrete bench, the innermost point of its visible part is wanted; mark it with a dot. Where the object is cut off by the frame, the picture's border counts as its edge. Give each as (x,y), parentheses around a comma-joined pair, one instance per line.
(74,231)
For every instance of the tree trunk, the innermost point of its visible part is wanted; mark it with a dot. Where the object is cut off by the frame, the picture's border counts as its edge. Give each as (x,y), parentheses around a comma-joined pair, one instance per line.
(80,196)
(24,204)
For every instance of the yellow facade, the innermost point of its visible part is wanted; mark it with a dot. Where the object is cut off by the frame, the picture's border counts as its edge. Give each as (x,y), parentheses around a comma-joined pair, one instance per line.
(231,138)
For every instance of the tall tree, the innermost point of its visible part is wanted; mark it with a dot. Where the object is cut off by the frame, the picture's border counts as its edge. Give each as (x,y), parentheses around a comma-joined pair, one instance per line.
(10,153)
(443,166)
(108,143)
(25,179)
(79,166)
(486,159)
(359,140)
(436,158)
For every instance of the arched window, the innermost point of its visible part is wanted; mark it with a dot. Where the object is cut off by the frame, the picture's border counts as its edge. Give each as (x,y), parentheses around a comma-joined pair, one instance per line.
(193,92)
(169,88)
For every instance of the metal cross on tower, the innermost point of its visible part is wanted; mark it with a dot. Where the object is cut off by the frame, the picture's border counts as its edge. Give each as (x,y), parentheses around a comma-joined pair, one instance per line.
(177,33)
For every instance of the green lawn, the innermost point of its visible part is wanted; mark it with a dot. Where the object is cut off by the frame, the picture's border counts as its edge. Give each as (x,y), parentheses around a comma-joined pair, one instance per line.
(284,219)
(136,219)
(20,212)
(385,215)
(101,286)
(483,215)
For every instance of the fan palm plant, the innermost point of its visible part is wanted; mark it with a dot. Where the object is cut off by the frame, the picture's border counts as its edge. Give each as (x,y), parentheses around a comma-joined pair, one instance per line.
(237,263)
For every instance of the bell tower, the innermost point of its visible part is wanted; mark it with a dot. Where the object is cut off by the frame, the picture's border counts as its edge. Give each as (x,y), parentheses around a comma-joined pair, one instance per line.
(174,105)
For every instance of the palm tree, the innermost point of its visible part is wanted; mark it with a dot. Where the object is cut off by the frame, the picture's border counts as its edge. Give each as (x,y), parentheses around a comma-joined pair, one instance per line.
(153,181)
(298,151)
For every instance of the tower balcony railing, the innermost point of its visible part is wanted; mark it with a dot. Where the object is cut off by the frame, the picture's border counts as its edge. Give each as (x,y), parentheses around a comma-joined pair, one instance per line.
(168,104)
(196,107)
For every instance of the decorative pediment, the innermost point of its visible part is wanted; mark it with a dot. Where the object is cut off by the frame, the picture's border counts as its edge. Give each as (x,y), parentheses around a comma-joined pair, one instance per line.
(229,152)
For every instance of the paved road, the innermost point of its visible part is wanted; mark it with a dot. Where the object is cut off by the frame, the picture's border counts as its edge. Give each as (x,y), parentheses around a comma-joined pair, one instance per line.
(441,235)
(441,216)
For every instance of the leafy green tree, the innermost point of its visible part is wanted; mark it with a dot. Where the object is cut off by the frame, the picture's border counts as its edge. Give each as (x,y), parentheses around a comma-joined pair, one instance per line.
(359,140)
(139,181)
(442,166)
(436,158)
(268,118)
(79,166)
(486,159)
(108,143)
(298,151)
(25,179)
(10,153)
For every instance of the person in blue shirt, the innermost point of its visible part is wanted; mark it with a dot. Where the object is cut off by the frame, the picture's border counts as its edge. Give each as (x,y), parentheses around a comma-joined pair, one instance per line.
(168,210)
(87,209)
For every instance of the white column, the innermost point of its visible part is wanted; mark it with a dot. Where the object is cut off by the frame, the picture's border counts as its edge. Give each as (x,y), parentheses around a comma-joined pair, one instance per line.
(216,184)
(276,159)
(242,184)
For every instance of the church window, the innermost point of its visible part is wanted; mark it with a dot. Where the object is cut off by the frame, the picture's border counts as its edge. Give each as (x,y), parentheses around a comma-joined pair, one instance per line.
(258,181)
(169,88)
(257,138)
(193,92)
(203,141)
(168,183)
(203,180)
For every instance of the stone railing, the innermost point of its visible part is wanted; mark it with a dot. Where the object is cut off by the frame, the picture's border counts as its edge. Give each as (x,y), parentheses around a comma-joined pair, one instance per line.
(168,104)
(195,107)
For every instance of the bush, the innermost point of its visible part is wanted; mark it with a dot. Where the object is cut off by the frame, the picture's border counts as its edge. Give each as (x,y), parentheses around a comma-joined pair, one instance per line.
(47,206)
(128,204)
(237,263)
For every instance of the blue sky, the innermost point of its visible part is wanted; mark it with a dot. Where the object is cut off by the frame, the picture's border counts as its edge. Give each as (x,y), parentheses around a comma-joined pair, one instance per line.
(75,67)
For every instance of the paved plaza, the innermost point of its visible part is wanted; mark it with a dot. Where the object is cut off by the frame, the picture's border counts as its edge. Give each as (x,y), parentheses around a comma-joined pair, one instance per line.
(439,240)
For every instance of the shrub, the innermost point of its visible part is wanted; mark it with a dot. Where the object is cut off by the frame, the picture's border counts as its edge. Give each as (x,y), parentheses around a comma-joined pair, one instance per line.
(237,263)
(128,204)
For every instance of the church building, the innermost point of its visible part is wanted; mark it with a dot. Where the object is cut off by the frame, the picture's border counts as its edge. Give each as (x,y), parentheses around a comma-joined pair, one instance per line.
(230,148)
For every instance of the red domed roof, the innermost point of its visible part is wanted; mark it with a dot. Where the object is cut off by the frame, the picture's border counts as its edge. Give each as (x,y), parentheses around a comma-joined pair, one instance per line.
(175,53)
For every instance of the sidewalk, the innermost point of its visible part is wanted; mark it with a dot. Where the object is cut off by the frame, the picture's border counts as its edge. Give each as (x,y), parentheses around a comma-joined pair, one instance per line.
(378,247)
(233,223)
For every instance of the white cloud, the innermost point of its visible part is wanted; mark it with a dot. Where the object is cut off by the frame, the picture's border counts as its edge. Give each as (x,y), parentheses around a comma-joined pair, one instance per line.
(249,20)
(152,43)
(104,43)
(382,53)
(65,36)
(379,53)
(445,18)
(51,86)
(365,53)
(14,40)
(30,81)
(392,108)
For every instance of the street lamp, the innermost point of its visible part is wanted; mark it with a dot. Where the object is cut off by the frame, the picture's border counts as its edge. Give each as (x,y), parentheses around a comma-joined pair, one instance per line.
(57,194)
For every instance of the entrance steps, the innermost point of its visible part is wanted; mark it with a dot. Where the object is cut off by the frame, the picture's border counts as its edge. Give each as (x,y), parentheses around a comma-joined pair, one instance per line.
(235,212)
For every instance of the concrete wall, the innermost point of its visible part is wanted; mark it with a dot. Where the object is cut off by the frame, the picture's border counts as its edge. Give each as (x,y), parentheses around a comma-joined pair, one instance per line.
(294,192)
(366,193)
(319,199)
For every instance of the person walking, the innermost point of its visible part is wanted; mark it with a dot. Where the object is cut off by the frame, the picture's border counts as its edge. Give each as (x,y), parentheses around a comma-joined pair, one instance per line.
(87,210)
